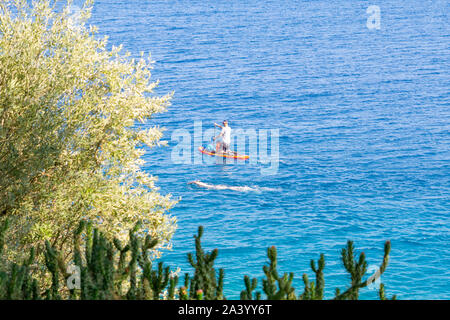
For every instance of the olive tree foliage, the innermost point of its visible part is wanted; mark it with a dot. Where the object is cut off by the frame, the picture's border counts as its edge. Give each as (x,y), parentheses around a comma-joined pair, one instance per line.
(71,133)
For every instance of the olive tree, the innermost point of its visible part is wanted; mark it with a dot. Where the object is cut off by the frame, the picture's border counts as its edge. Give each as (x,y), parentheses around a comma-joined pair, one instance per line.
(71,129)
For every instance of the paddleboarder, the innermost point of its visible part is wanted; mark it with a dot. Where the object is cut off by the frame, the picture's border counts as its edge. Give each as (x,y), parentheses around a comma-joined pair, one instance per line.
(224,136)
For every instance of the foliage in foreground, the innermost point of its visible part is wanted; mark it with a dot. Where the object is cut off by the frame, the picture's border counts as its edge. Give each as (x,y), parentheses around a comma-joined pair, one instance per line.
(112,270)
(71,139)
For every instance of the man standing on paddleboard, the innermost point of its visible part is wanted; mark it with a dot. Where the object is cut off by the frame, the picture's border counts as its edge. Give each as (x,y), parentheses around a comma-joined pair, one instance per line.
(225,135)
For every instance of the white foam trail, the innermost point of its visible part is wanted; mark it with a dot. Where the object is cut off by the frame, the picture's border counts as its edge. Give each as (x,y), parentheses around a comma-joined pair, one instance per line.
(269,189)
(233,188)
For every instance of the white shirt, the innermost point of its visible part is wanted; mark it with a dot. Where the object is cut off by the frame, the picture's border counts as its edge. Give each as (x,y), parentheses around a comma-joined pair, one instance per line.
(226,135)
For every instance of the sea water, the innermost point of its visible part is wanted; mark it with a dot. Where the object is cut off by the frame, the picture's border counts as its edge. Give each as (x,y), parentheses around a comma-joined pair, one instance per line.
(363,114)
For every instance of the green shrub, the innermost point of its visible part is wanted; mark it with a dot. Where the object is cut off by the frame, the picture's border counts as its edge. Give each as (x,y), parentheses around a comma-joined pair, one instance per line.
(111,270)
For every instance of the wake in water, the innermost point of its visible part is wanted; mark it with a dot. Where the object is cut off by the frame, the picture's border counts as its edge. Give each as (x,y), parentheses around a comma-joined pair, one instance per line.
(233,188)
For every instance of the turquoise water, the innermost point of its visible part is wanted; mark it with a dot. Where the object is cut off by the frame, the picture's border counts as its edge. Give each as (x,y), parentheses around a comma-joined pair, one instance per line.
(364,131)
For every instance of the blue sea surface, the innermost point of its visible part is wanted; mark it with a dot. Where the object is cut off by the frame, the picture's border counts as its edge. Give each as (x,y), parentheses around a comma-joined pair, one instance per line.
(364,143)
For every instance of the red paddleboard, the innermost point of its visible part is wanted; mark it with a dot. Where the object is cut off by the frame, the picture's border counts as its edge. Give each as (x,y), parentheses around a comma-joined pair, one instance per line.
(223,155)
